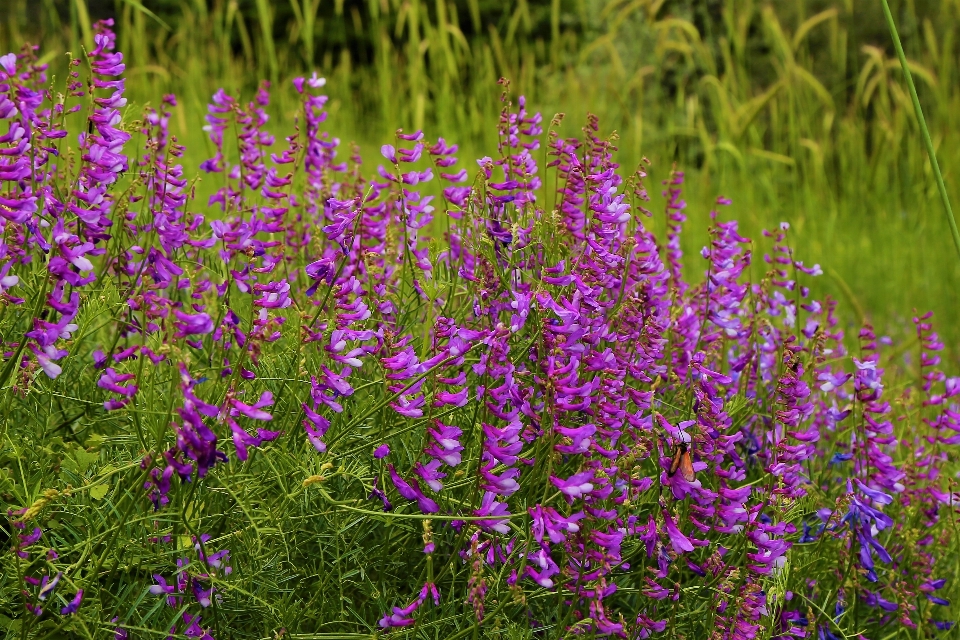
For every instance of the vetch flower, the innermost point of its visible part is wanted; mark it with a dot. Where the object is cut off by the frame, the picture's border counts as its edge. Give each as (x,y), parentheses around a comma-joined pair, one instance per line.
(111,381)
(678,541)
(576,486)
(48,584)
(193,323)
(411,491)
(73,605)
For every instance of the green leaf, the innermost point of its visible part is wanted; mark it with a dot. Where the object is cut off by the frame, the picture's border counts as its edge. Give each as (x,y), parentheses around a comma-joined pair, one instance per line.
(99,491)
(79,461)
(95,441)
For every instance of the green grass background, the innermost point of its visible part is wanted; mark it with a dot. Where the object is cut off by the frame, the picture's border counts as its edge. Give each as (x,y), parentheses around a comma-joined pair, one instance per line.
(797,110)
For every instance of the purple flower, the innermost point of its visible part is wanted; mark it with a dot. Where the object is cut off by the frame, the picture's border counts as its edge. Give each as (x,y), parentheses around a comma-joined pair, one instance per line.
(446,398)
(381,452)
(26,539)
(542,568)
(47,585)
(9,64)
(831,381)
(400,616)
(254,411)
(576,486)
(389,152)
(203,596)
(580,437)
(379,494)
(411,491)
(320,271)
(409,406)
(193,323)
(314,82)
(99,359)
(678,541)
(162,588)
(446,443)
(547,521)
(430,589)
(73,605)
(194,630)
(46,361)
(430,473)
(315,426)
(490,507)
(878,497)
(111,381)
(876,600)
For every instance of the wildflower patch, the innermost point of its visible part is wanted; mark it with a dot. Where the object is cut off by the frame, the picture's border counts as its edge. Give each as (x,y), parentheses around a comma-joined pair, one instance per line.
(434,398)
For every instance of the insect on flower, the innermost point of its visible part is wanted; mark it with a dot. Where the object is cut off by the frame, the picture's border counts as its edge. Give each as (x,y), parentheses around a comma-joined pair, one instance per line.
(682,455)
(682,462)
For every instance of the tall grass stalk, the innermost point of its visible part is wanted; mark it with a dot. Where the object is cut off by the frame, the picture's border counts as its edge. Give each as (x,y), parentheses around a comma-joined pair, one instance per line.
(922,122)
(266,29)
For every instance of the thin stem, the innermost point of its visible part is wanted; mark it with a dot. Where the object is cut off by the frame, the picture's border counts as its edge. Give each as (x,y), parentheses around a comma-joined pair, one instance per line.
(923,125)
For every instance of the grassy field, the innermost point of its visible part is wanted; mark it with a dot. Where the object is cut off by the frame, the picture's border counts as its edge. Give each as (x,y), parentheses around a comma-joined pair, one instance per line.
(797,109)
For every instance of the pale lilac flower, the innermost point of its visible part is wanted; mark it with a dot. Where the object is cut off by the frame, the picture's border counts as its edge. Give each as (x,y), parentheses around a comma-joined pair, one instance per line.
(9,64)
(47,585)
(576,486)
(111,381)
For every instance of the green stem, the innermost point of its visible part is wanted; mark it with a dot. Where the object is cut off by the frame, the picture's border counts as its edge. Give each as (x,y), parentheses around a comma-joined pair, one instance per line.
(923,124)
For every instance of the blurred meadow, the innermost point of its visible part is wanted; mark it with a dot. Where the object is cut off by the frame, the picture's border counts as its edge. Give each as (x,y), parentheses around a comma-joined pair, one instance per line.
(797,110)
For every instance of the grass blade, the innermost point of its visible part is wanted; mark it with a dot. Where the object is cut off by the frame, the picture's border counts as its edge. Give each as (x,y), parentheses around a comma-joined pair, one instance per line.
(83,17)
(266,25)
(923,124)
(139,7)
